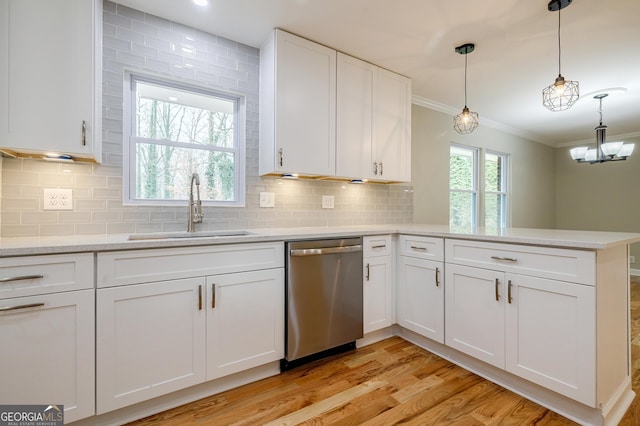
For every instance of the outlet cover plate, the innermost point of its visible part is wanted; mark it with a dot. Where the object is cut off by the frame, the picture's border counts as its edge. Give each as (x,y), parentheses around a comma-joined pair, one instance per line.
(327,201)
(58,199)
(267,199)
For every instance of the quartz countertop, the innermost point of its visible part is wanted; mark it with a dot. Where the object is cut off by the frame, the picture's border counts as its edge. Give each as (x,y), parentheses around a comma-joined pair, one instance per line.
(584,240)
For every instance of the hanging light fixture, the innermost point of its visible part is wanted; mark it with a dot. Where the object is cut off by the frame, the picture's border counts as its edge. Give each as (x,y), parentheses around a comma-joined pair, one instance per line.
(466,121)
(604,151)
(562,94)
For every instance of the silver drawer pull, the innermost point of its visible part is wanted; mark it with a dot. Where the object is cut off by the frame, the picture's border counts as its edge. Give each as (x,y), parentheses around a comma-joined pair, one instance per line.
(507,259)
(21,277)
(380,246)
(418,248)
(13,308)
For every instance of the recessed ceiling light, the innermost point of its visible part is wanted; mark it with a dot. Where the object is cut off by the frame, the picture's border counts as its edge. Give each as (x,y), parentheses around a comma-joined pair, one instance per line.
(201,2)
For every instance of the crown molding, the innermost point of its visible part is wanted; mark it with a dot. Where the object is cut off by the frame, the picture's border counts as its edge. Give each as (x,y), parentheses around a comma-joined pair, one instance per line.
(446,109)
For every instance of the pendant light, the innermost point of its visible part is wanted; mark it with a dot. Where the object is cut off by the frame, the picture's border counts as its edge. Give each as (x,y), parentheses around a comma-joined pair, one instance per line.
(604,151)
(562,94)
(466,121)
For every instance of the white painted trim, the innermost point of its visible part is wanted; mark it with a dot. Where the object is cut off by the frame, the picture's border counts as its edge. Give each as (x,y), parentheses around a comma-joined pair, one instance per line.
(449,110)
(634,272)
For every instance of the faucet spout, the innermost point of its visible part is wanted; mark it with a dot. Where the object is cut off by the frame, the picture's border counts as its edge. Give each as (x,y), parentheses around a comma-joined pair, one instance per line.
(195,206)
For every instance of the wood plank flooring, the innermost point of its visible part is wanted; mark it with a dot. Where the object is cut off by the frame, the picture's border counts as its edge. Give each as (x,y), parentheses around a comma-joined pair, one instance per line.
(388,383)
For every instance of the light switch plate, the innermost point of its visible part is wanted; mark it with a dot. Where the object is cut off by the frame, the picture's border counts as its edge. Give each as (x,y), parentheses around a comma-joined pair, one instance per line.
(267,199)
(327,201)
(58,199)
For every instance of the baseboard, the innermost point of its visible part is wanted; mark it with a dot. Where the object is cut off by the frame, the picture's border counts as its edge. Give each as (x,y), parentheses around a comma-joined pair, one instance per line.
(634,272)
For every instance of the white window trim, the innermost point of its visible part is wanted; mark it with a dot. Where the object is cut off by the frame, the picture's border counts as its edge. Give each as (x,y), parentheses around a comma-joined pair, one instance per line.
(128,138)
(507,185)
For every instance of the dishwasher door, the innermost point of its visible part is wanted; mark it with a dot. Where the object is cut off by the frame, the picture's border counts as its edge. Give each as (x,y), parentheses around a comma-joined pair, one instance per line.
(324,295)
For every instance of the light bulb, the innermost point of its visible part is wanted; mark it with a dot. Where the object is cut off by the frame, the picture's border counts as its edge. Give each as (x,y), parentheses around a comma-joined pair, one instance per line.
(559,88)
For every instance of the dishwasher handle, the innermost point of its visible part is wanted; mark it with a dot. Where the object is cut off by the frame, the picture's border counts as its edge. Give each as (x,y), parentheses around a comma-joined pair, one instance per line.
(325,250)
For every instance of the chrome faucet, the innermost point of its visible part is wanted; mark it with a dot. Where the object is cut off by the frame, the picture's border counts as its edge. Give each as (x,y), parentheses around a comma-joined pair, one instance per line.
(195,207)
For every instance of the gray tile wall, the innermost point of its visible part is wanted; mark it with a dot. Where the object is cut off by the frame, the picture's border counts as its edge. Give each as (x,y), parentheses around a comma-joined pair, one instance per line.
(137,41)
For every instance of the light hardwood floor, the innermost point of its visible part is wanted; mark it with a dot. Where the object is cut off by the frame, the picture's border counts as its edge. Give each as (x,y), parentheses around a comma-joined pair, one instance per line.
(387,383)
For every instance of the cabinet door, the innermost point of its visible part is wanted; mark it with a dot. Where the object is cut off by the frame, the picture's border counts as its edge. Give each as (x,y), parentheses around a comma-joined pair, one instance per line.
(475,313)
(51,84)
(305,106)
(47,352)
(378,301)
(354,123)
(245,321)
(550,331)
(421,297)
(392,136)
(151,341)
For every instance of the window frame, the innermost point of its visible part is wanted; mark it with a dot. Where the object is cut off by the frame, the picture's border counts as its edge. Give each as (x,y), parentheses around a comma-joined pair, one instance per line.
(480,193)
(130,140)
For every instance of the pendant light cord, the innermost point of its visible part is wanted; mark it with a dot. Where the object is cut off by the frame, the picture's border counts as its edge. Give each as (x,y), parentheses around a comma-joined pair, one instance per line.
(465,79)
(559,45)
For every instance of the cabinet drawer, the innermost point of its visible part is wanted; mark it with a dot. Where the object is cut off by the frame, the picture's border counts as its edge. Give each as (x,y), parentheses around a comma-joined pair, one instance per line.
(422,247)
(377,245)
(140,266)
(554,263)
(34,275)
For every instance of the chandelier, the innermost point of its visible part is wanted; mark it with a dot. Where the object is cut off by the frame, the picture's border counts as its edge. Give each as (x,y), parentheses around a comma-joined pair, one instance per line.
(604,151)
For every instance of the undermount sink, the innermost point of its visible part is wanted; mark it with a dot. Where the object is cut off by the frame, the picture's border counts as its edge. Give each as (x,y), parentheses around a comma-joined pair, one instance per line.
(198,234)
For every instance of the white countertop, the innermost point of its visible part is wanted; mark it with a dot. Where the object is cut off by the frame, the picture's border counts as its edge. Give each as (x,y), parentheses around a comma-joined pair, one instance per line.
(585,240)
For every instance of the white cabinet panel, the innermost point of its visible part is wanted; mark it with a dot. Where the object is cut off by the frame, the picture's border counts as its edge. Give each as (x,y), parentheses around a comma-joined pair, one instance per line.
(550,335)
(378,298)
(151,341)
(47,352)
(50,86)
(420,289)
(429,248)
(297,106)
(475,313)
(245,321)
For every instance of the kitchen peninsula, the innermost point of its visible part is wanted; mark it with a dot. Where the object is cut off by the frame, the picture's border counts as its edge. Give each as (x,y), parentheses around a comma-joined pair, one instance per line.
(541,312)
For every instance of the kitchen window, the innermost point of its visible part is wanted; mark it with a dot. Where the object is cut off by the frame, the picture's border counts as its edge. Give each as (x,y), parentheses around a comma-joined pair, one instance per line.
(469,196)
(173,130)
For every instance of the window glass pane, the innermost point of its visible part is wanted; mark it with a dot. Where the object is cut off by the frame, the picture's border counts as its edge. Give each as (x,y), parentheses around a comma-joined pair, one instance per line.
(494,211)
(165,113)
(494,172)
(461,169)
(164,172)
(462,209)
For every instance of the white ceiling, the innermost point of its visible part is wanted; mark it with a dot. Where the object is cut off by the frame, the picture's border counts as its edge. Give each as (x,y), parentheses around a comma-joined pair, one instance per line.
(515,57)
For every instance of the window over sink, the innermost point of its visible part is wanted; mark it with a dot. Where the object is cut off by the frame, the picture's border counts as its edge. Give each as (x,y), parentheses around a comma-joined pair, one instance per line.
(172,130)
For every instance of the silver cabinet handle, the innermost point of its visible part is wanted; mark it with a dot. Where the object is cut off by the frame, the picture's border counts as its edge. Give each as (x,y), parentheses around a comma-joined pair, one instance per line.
(13,308)
(437,277)
(418,248)
(281,157)
(368,272)
(509,298)
(213,296)
(21,277)
(199,297)
(375,168)
(380,246)
(84,133)
(497,294)
(381,169)
(507,259)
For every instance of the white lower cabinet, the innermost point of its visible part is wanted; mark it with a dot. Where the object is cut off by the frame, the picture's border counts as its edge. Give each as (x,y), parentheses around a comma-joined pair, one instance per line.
(539,329)
(245,321)
(378,286)
(151,341)
(420,292)
(47,351)
(158,337)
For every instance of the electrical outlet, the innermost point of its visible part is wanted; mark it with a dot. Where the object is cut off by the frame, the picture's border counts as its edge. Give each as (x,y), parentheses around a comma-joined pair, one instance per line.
(58,199)
(632,259)
(267,199)
(327,201)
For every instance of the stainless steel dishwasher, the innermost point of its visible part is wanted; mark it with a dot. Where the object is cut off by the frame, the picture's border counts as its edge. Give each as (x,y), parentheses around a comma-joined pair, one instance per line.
(324,298)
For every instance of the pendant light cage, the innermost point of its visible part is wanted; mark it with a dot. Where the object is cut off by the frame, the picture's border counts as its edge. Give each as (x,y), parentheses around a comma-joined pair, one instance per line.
(562,94)
(466,121)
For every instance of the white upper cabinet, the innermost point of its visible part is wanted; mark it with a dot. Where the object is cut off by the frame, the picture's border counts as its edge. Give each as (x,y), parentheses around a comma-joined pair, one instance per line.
(297,106)
(50,77)
(373,122)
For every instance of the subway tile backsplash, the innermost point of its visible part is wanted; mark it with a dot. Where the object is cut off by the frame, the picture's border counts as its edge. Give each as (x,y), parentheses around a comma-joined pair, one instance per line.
(136,41)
